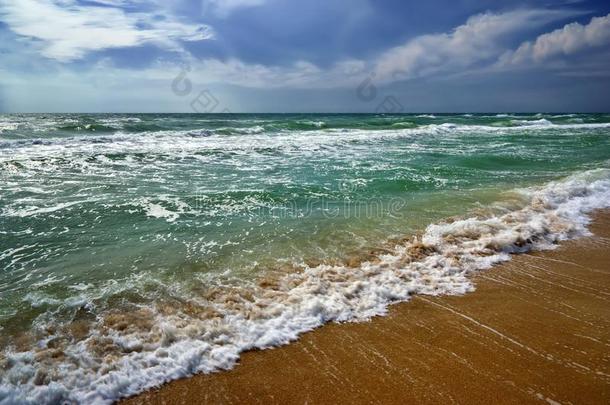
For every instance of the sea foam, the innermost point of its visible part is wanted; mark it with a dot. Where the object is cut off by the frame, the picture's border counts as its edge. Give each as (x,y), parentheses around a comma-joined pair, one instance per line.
(125,353)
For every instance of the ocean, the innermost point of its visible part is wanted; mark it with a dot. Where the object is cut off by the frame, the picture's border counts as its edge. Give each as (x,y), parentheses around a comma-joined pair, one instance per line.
(140,248)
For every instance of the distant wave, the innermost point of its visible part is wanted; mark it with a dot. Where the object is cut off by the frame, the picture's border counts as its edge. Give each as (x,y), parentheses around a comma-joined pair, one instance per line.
(75,125)
(26,155)
(538,123)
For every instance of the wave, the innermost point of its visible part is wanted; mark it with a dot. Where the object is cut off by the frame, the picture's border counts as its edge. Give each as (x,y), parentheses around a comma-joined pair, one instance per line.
(314,124)
(78,127)
(8,126)
(124,353)
(105,151)
(89,125)
(517,125)
(564,115)
(540,122)
(75,124)
(411,129)
(257,129)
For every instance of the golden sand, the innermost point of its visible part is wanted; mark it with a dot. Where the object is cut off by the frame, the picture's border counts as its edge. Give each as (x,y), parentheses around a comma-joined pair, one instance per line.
(536,330)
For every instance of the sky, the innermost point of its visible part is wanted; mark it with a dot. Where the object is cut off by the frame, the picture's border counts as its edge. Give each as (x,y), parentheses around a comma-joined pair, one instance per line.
(381,56)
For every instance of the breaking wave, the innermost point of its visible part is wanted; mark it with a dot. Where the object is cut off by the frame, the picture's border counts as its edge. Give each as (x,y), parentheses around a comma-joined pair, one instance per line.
(176,140)
(91,124)
(117,354)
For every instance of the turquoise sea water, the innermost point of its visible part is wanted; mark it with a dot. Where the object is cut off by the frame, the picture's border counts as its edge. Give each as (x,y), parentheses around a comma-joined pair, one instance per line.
(106,215)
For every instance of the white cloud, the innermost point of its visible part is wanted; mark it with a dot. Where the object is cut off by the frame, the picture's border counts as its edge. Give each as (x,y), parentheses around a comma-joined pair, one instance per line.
(70,32)
(480,39)
(67,31)
(223,8)
(105,86)
(300,74)
(570,39)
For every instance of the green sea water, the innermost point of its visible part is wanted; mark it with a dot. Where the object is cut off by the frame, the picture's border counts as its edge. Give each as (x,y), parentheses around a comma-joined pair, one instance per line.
(114,212)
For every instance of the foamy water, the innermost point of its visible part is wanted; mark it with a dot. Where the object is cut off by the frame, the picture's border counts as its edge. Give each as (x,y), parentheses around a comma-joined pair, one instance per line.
(167,245)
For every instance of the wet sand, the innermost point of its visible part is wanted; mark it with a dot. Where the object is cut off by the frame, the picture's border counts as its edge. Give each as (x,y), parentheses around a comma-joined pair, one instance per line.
(536,330)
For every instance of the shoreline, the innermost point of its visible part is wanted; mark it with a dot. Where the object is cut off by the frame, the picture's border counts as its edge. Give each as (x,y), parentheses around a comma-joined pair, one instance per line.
(537,329)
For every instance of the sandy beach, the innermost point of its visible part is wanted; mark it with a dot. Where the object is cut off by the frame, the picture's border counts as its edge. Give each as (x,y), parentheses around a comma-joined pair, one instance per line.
(537,329)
